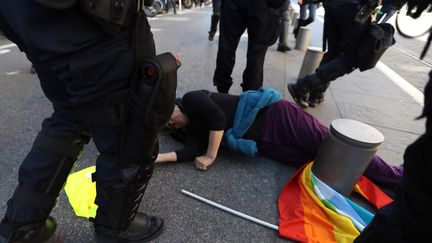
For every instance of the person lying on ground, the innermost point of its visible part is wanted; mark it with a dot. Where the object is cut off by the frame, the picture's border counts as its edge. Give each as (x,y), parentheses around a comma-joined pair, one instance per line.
(264,122)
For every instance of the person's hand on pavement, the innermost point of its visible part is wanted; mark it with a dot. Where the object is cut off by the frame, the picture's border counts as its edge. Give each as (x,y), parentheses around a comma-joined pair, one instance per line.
(203,162)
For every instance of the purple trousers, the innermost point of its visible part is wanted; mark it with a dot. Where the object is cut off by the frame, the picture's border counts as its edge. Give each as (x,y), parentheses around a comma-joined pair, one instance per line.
(293,136)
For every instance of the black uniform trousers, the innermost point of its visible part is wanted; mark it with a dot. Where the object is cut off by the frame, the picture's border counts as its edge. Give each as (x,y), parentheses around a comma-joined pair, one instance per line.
(262,25)
(79,67)
(343,40)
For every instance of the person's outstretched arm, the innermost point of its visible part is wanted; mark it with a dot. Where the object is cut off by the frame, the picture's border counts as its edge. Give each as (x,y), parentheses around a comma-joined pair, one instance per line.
(166,157)
(204,161)
(192,148)
(200,103)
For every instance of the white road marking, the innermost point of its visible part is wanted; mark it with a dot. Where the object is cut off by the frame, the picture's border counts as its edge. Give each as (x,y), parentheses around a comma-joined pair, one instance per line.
(406,86)
(7,46)
(4,51)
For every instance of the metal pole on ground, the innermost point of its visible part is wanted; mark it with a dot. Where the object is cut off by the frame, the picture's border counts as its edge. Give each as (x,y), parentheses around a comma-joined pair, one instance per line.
(242,215)
(303,38)
(311,61)
(345,154)
(180,5)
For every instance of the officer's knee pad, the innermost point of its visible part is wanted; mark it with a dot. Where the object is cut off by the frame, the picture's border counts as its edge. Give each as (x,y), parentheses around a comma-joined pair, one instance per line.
(67,152)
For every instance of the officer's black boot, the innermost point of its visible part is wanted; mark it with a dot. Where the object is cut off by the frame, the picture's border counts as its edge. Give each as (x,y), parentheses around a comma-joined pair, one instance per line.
(35,232)
(117,219)
(283,37)
(213,26)
(307,21)
(300,23)
(301,90)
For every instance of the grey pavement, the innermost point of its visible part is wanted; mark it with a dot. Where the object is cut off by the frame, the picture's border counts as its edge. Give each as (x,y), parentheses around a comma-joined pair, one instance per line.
(250,186)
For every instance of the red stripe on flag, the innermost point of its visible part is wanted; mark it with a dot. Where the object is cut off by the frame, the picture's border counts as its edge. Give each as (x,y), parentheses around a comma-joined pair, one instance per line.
(373,193)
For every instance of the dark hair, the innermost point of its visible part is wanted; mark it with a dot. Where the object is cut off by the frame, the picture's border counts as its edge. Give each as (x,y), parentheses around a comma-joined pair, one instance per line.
(179,103)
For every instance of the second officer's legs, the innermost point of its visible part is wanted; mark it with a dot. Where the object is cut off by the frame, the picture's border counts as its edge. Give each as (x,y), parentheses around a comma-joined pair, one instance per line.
(232,26)
(263,30)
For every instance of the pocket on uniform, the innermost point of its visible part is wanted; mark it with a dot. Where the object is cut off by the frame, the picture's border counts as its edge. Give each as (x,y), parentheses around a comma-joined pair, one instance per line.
(101,67)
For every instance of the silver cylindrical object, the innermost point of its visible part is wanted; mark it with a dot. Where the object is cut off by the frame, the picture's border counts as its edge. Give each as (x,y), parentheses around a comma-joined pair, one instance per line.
(290,13)
(345,154)
(303,38)
(311,61)
(294,19)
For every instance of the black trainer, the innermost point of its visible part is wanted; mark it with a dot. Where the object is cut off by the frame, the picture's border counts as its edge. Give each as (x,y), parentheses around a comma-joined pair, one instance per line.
(300,97)
(29,233)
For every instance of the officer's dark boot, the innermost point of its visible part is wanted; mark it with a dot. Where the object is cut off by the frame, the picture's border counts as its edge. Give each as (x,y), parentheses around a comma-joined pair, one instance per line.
(317,96)
(301,90)
(307,21)
(300,23)
(213,26)
(283,37)
(117,219)
(36,232)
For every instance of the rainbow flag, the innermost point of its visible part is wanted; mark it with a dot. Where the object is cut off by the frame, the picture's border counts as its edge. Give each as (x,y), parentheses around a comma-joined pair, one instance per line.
(311,211)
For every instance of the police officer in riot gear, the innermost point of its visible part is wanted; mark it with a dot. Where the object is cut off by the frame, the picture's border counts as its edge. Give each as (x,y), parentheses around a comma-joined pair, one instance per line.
(88,61)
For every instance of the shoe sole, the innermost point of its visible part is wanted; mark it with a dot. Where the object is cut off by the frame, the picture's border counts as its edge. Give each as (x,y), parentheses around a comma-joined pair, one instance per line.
(157,233)
(292,93)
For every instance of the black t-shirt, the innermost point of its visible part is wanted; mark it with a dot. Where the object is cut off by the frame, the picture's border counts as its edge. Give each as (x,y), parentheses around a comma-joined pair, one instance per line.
(209,111)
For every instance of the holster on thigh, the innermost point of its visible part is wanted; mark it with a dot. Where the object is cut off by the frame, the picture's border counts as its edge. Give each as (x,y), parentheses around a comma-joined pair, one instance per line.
(151,103)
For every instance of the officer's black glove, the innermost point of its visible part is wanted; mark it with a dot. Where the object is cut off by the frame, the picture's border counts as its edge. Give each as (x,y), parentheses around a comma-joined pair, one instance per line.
(275,3)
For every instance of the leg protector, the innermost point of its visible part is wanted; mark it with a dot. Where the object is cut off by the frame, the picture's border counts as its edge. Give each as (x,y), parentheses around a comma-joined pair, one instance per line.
(117,218)
(39,204)
(151,104)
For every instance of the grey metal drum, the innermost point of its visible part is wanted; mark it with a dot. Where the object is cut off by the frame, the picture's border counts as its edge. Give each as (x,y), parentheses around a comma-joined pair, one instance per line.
(345,154)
